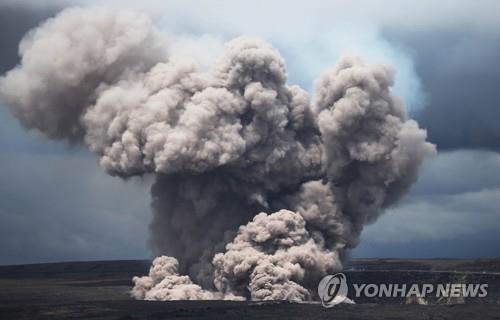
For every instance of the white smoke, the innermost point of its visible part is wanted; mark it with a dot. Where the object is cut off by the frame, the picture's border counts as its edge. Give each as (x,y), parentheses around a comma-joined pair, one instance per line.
(165,283)
(225,145)
(272,256)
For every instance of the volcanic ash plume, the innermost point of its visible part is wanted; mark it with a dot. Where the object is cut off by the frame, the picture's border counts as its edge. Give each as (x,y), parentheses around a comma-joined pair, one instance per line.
(225,145)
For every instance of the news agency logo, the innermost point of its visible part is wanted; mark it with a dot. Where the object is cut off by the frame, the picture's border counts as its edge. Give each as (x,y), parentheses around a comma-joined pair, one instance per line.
(332,289)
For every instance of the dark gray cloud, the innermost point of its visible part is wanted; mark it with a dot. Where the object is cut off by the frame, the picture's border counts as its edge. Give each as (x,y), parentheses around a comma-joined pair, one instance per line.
(452,211)
(459,171)
(459,225)
(15,21)
(460,73)
(51,212)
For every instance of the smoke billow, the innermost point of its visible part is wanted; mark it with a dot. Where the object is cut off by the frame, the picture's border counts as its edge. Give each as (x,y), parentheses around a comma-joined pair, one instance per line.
(165,283)
(225,145)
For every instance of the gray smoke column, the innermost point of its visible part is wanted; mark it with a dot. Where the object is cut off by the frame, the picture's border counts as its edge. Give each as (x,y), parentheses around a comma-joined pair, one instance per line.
(225,145)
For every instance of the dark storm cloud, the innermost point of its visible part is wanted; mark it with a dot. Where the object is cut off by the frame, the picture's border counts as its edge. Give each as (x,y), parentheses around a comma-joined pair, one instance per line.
(459,171)
(461,76)
(451,212)
(51,212)
(15,21)
(427,226)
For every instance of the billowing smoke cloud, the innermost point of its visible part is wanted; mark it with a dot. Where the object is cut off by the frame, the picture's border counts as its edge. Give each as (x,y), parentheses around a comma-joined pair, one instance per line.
(165,283)
(273,255)
(225,145)
(67,60)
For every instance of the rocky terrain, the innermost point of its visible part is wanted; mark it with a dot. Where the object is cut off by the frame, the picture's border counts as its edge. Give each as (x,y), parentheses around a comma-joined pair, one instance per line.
(99,290)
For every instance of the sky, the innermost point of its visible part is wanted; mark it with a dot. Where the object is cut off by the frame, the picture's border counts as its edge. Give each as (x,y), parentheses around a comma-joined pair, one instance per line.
(57,204)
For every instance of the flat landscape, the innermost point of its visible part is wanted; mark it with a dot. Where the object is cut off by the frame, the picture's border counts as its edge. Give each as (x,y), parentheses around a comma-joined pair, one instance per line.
(99,290)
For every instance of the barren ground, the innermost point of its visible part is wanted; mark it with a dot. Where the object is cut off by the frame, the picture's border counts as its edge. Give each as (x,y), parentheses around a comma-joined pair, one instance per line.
(99,290)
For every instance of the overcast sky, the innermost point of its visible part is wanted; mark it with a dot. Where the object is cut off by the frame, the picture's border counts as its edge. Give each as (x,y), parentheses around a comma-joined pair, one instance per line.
(57,204)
